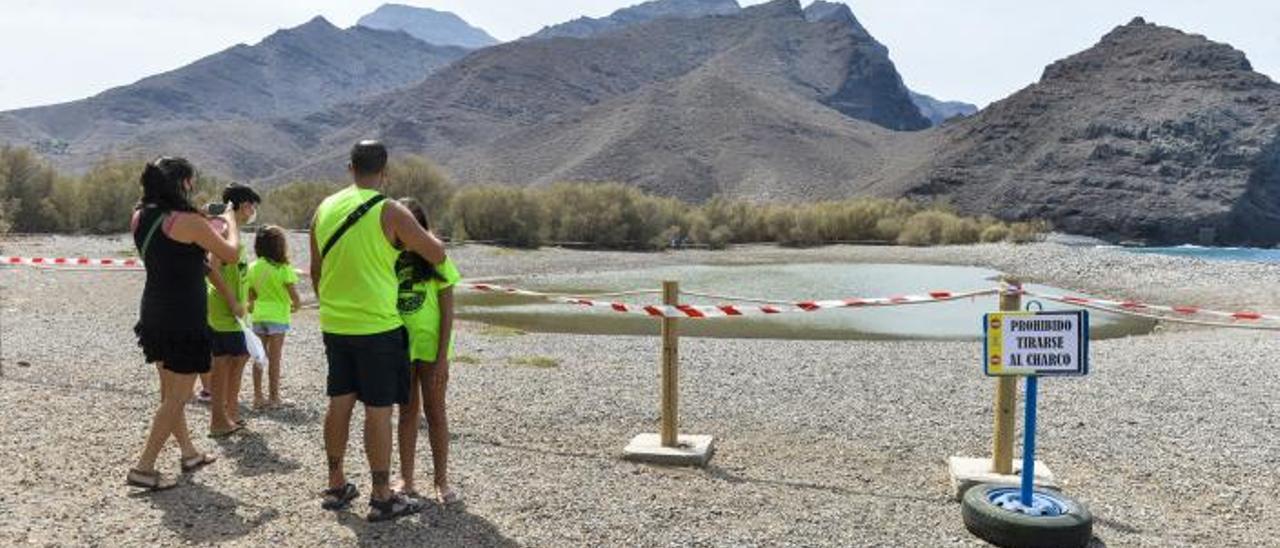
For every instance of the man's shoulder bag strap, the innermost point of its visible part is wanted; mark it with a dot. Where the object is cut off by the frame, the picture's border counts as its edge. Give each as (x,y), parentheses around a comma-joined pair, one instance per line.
(351,220)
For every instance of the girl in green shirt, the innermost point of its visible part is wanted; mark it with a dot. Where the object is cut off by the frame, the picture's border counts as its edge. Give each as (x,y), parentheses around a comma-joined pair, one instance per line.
(273,298)
(426,306)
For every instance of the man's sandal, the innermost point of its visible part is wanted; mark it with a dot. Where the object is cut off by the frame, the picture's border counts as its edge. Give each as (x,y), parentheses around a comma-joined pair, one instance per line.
(151,481)
(337,498)
(395,507)
(197,462)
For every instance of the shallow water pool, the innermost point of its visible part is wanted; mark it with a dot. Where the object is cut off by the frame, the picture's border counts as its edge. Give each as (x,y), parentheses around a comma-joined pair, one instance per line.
(955,320)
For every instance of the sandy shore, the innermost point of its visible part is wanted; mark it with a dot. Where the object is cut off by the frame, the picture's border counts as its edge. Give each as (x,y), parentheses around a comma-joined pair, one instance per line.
(1171,441)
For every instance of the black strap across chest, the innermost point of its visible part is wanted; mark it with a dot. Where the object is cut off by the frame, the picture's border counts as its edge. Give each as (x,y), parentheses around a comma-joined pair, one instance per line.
(349,222)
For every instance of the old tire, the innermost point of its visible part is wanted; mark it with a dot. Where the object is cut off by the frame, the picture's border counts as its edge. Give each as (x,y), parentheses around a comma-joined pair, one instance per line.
(1072,525)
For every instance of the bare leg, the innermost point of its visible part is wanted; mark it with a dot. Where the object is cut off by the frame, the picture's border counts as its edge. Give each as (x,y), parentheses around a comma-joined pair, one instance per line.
(275,357)
(407,431)
(206,380)
(166,417)
(377,448)
(259,400)
(434,387)
(181,433)
(235,378)
(218,421)
(337,428)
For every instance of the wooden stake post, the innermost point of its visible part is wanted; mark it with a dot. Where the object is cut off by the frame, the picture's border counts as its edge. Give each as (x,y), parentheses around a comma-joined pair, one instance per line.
(670,368)
(667,446)
(1006,391)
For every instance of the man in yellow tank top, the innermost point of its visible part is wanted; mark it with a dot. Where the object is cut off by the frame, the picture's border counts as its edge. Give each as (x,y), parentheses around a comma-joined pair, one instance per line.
(353,254)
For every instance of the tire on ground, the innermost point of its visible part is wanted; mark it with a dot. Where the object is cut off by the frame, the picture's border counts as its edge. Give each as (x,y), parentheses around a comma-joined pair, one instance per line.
(1015,530)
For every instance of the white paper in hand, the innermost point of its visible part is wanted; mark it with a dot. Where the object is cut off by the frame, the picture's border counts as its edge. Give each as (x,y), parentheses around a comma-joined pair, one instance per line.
(257,352)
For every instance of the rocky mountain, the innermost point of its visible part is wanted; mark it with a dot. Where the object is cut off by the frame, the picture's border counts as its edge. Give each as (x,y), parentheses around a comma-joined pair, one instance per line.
(938,111)
(1152,134)
(584,27)
(763,103)
(430,26)
(292,72)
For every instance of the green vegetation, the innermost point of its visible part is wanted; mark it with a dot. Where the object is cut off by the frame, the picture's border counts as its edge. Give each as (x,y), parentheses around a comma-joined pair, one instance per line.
(491,330)
(540,362)
(467,359)
(34,198)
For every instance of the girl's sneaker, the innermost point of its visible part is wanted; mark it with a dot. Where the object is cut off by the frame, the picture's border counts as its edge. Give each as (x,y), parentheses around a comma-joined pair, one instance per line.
(204,397)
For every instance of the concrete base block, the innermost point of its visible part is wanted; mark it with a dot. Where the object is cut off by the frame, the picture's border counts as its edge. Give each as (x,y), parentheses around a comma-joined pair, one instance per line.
(967,472)
(689,450)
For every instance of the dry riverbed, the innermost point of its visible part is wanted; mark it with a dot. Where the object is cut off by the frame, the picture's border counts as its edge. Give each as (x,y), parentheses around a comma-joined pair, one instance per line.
(1172,441)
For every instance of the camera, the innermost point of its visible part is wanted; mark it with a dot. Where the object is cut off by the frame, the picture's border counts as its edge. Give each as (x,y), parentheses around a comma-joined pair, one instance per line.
(214,210)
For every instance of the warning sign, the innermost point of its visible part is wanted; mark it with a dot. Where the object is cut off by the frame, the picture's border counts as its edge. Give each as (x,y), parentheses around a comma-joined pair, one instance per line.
(1036,343)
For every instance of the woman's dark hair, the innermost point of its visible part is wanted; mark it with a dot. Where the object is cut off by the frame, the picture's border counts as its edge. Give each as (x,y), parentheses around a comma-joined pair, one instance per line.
(237,194)
(162,184)
(420,269)
(270,244)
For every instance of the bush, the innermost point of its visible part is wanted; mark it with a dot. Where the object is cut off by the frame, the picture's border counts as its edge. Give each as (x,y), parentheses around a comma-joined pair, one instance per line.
(419,178)
(27,189)
(1027,232)
(612,215)
(294,205)
(508,215)
(103,200)
(33,198)
(995,233)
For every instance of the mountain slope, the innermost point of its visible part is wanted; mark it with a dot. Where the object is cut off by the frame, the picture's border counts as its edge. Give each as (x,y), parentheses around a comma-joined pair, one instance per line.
(585,27)
(688,107)
(430,26)
(291,72)
(938,111)
(1152,134)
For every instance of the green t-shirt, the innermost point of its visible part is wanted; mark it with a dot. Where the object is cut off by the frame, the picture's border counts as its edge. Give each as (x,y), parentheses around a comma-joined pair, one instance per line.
(221,319)
(270,282)
(357,288)
(419,305)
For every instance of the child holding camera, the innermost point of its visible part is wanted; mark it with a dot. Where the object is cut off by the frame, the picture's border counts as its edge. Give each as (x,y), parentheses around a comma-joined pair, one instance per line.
(227,299)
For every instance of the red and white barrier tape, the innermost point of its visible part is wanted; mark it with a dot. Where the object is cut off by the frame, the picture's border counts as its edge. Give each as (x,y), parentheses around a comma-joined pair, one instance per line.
(698,312)
(78,263)
(1179,314)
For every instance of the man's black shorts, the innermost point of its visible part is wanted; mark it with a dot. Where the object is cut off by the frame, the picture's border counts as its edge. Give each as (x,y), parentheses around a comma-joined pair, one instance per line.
(373,367)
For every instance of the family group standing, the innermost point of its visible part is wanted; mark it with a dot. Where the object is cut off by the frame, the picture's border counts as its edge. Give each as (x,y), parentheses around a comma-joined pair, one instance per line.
(384,287)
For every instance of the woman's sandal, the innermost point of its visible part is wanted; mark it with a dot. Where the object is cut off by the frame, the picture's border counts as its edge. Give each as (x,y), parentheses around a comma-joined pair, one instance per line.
(197,462)
(151,481)
(225,434)
(448,496)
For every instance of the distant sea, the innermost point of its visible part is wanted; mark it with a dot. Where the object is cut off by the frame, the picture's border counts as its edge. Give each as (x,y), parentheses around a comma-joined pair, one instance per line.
(1240,254)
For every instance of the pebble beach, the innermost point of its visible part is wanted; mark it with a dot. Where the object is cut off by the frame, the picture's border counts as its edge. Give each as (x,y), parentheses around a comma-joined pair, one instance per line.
(1172,440)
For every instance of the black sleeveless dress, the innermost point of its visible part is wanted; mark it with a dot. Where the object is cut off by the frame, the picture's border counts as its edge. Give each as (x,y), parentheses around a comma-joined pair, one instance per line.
(173,328)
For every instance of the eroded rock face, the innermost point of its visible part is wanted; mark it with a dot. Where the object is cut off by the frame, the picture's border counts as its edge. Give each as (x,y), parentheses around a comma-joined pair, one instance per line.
(1152,135)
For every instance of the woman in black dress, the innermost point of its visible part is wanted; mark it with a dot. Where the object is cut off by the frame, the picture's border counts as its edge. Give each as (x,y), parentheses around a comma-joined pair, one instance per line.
(172,238)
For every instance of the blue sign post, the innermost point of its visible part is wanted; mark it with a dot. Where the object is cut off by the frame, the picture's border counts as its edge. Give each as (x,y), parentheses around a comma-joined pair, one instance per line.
(1030,345)
(1029,444)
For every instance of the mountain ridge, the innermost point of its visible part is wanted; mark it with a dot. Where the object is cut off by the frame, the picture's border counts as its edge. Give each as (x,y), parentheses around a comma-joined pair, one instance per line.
(431,26)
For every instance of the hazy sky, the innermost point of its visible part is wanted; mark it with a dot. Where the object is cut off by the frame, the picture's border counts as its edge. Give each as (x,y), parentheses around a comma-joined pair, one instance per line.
(977,51)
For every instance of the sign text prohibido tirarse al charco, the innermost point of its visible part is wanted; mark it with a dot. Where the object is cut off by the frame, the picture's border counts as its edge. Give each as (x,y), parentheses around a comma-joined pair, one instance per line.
(1037,343)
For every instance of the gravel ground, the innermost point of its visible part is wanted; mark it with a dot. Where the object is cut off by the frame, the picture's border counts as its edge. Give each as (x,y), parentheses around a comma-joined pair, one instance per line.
(1171,441)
